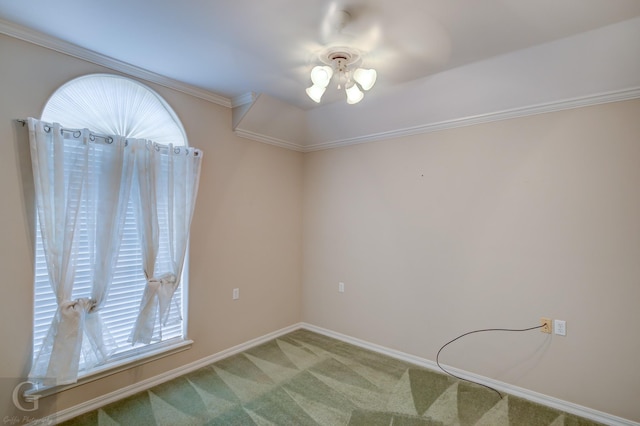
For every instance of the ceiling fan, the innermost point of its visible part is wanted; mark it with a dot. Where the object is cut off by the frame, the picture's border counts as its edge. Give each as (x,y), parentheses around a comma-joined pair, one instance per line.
(357,42)
(342,58)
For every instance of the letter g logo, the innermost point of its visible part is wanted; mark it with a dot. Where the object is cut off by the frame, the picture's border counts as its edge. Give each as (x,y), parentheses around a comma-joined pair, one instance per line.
(17,396)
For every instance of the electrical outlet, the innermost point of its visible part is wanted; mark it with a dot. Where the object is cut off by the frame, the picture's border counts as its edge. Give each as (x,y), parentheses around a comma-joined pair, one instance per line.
(236,293)
(560,327)
(341,287)
(546,325)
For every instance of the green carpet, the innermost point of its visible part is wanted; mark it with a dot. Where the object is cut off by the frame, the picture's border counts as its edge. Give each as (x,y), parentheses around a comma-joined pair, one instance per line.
(304,378)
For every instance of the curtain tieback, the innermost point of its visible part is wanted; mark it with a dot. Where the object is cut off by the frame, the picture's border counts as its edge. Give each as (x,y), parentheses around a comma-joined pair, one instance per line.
(163,287)
(159,283)
(69,307)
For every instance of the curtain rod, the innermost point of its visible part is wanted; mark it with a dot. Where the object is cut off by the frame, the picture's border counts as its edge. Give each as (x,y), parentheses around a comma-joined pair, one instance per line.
(109,139)
(76,132)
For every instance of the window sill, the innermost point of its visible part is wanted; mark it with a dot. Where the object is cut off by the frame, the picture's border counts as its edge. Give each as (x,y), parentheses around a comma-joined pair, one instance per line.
(114,366)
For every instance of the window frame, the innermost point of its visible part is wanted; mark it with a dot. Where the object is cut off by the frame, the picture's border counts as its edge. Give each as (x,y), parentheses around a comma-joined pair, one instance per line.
(141,353)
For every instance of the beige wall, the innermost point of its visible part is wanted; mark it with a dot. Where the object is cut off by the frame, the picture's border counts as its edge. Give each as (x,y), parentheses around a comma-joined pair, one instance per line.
(493,225)
(246,230)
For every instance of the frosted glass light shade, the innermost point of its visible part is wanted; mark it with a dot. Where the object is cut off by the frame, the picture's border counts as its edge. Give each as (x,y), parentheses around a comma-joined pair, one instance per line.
(365,78)
(321,75)
(315,92)
(354,95)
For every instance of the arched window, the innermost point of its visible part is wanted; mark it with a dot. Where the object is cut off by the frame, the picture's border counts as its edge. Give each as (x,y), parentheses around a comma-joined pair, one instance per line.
(114,105)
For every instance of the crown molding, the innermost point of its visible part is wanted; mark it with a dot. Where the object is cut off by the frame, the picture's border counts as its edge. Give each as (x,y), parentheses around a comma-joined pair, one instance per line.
(26,34)
(247,98)
(565,104)
(269,140)
(584,101)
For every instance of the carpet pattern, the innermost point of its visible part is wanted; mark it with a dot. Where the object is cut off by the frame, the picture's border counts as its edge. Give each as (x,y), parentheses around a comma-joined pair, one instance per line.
(304,378)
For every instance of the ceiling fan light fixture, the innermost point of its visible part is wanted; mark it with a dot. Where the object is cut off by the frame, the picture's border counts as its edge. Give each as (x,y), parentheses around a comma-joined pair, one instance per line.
(354,94)
(341,65)
(321,75)
(315,92)
(366,78)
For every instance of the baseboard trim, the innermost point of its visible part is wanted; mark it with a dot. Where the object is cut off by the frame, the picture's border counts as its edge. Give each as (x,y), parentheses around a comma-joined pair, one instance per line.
(539,398)
(143,385)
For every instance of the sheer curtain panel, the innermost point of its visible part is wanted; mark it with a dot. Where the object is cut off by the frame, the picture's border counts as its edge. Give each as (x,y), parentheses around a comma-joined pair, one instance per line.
(167,183)
(85,185)
(81,188)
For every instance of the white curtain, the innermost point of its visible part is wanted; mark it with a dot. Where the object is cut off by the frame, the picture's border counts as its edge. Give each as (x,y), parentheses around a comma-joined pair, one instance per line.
(107,198)
(83,183)
(167,183)
(74,170)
